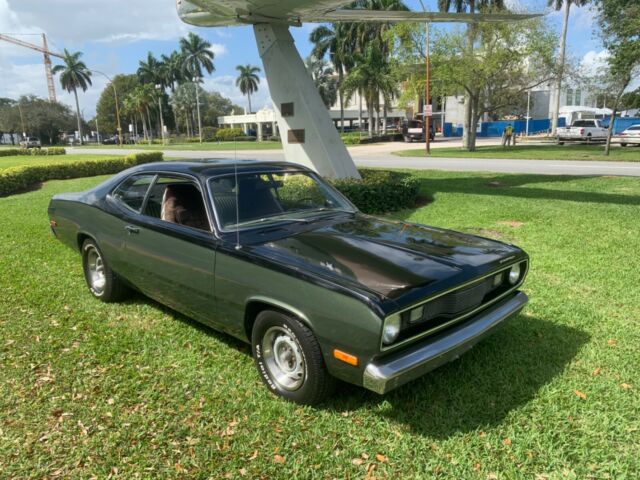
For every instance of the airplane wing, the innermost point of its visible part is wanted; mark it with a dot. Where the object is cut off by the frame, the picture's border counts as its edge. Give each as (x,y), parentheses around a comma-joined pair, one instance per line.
(211,13)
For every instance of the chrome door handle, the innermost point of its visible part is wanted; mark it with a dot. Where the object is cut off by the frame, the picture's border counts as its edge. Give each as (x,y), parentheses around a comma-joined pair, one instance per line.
(131,229)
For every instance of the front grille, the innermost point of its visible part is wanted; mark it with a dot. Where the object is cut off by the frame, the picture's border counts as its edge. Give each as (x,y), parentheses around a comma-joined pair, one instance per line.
(443,311)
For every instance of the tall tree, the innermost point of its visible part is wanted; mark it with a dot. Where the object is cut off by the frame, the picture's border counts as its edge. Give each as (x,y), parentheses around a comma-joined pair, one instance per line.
(151,70)
(74,74)
(338,41)
(558,5)
(247,80)
(196,56)
(619,22)
(470,6)
(372,76)
(324,78)
(106,106)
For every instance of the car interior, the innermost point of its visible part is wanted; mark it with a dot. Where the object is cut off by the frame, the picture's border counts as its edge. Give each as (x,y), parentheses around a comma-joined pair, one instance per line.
(177,201)
(257,199)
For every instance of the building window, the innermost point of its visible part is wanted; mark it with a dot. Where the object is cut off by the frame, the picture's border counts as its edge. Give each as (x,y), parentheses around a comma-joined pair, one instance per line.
(578,99)
(569,97)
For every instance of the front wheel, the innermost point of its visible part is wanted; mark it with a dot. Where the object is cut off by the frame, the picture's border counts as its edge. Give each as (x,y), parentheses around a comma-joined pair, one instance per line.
(289,359)
(103,283)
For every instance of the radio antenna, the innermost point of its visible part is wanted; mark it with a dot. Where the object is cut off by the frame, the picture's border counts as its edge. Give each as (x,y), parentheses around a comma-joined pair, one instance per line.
(235,174)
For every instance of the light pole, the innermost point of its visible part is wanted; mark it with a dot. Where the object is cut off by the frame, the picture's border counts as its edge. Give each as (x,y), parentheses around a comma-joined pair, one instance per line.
(528,109)
(427,93)
(159,88)
(115,94)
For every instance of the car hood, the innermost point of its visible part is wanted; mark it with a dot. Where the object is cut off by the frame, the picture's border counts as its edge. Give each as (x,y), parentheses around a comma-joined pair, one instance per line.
(385,257)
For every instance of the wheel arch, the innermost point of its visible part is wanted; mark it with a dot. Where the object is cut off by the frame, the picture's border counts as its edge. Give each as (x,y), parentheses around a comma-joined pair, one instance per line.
(258,304)
(81,237)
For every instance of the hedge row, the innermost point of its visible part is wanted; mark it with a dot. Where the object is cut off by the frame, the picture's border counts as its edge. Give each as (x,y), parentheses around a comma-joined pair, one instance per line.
(380,191)
(12,152)
(16,179)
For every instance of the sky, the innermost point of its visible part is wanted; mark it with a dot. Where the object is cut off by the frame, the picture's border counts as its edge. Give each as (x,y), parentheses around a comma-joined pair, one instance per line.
(115,34)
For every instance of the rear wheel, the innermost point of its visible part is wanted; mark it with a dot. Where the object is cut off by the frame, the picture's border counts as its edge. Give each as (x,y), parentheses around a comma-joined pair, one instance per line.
(289,359)
(103,283)
(623,144)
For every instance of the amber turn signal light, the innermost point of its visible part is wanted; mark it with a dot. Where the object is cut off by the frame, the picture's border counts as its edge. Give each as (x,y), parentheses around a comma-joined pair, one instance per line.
(345,357)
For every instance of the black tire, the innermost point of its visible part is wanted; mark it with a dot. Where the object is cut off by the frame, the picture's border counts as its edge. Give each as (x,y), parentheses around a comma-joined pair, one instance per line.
(113,288)
(316,384)
(623,144)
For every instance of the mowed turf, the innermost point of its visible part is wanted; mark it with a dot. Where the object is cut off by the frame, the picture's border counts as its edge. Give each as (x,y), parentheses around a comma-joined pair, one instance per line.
(134,390)
(534,152)
(25,160)
(196,146)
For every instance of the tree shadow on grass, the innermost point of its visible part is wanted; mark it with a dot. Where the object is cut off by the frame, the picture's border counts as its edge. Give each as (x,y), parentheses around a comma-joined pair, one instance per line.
(478,390)
(514,185)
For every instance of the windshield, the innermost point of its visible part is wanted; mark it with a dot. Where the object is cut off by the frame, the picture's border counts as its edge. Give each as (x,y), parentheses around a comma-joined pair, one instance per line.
(273,197)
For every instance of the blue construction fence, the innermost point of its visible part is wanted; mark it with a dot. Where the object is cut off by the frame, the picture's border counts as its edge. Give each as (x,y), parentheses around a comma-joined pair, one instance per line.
(495,129)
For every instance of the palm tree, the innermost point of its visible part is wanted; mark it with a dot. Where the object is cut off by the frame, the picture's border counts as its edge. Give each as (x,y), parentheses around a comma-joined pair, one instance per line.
(74,74)
(557,5)
(338,41)
(151,71)
(371,75)
(196,55)
(324,78)
(247,80)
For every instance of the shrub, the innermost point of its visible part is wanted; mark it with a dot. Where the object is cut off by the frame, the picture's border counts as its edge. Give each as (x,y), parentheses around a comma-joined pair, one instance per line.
(246,138)
(12,152)
(16,179)
(274,138)
(209,133)
(380,190)
(229,134)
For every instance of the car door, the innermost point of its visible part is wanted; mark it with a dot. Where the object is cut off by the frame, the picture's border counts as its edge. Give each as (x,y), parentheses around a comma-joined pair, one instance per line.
(169,261)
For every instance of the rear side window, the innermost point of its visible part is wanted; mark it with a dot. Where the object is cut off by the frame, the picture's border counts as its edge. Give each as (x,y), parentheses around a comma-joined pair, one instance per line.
(132,191)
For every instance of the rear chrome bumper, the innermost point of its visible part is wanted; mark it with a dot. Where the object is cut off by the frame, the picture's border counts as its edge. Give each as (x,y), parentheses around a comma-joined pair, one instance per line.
(410,363)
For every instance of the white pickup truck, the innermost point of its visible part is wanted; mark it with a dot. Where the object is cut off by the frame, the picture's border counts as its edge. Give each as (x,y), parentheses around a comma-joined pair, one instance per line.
(582,131)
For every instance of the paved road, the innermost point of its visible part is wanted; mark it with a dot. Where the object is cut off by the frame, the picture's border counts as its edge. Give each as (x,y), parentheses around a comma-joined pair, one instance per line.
(379,155)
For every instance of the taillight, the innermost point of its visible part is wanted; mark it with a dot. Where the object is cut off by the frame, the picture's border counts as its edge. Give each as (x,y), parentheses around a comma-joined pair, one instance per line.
(582,131)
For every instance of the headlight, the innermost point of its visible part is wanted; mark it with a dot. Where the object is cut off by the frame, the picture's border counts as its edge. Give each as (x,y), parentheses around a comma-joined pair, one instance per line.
(391,329)
(514,274)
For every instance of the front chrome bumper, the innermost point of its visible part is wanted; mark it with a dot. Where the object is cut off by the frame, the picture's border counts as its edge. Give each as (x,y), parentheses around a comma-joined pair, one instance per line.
(412,362)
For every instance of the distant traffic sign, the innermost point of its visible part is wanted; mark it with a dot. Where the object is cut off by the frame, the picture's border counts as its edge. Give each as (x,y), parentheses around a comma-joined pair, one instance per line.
(427,111)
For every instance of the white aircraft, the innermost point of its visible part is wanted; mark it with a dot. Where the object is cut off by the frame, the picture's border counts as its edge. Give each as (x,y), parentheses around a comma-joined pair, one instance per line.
(306,129)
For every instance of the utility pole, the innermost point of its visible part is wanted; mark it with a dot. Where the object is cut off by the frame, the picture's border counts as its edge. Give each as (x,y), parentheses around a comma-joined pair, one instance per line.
(427,93)
(115,95)
(528,109)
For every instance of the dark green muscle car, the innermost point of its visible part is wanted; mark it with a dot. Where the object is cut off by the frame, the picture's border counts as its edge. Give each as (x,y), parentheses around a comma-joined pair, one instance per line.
(272,254)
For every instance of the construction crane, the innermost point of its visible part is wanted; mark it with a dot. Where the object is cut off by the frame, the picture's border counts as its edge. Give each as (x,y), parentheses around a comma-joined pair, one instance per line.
(44,49)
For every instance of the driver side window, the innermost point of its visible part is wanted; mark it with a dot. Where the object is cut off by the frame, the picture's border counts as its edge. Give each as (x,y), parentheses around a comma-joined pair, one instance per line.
(177,200)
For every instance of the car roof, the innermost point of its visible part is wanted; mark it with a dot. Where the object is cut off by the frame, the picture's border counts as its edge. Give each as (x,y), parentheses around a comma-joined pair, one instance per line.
(215,167)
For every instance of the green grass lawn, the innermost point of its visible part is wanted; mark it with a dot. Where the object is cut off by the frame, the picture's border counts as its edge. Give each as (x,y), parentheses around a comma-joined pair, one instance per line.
(222,146)
(20,160)
(534,152)
(137,391)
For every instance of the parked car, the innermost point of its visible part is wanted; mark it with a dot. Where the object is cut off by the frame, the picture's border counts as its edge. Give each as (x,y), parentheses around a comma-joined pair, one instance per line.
(30,142)
(582,131)
(413,130)
(272,254)
(111,140)
(630,136)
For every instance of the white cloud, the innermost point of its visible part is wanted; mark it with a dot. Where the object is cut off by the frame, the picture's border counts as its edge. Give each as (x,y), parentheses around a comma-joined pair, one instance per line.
(226,86)
(594,62)
(68,21)
(218,49)
(580,18)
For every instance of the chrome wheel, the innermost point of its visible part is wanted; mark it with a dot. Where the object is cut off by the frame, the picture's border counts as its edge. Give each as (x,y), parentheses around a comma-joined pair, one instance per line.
(95,270)
(284,358)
